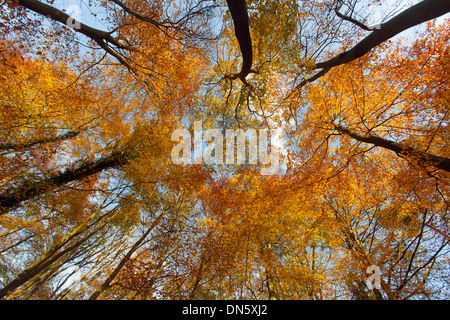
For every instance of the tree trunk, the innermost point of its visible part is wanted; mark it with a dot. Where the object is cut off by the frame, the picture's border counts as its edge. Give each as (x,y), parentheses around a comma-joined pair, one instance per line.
(107,283)
(50,256)
(238,10)
(12,197)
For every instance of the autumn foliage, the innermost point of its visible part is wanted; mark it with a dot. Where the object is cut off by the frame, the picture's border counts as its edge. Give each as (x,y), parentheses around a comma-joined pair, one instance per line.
(93,207)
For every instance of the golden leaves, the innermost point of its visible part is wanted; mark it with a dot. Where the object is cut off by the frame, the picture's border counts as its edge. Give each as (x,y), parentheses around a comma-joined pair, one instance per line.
(307,233)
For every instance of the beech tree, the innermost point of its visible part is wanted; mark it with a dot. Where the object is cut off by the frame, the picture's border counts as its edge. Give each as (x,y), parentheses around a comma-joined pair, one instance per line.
(93,207)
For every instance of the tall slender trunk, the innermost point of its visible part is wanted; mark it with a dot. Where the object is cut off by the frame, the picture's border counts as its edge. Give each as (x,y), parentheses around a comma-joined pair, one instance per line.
(50,256)
(107,283)
(12,197)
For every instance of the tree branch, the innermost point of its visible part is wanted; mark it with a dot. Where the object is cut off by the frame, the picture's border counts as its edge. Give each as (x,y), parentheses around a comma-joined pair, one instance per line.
(107,283)
(102,38)
(238,10)
(313,78)
(137,15)
(422,158)
(12,197)
(350,19)
(417,14)
(421,12)
(18,146)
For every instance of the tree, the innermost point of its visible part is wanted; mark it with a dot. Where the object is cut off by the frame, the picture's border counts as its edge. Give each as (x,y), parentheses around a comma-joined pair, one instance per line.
(93,207)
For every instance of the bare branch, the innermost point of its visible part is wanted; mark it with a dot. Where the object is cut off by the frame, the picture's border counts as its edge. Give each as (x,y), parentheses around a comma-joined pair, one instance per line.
(349,18)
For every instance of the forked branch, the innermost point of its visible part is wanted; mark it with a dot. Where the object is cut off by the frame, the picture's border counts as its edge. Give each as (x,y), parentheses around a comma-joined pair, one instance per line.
(423,11)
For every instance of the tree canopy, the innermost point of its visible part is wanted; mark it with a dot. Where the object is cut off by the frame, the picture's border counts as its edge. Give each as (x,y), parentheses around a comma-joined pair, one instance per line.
(93,205)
